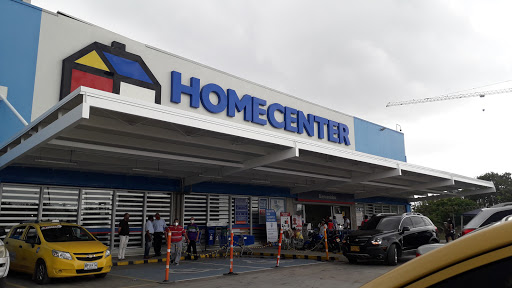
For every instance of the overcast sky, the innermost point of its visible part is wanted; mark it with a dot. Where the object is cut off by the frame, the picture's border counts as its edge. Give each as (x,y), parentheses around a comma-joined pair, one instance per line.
(354,57)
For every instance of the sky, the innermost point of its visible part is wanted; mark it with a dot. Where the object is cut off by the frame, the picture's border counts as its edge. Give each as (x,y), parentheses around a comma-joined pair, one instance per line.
(351,56)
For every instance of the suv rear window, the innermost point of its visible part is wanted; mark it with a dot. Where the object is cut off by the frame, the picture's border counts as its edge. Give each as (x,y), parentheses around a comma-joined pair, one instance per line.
(427,221)
(417,222)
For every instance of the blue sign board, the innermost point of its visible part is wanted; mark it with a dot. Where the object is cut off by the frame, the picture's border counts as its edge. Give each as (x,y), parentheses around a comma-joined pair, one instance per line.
(271,215)
(241,211)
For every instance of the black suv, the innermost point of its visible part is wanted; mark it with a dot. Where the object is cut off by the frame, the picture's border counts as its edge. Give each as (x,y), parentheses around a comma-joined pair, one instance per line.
(386,236)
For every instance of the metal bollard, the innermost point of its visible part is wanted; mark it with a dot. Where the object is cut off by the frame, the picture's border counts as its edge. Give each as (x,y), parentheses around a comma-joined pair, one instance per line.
(168,262)
(326,246)
(231,258)
(279,249)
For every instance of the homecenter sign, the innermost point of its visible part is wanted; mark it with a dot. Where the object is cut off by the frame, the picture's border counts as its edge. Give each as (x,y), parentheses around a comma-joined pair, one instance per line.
(256,110)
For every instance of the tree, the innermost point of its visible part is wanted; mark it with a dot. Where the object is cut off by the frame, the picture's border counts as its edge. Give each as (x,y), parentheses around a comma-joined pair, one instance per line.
(503,184)
(440,210)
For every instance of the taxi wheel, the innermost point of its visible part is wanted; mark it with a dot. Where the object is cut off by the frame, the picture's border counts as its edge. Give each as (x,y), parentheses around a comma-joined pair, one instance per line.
(392,257)
(41,274)
(2,282)
(102,275)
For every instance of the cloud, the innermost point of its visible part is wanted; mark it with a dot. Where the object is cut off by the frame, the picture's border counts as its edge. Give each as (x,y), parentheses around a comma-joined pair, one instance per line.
(352,56)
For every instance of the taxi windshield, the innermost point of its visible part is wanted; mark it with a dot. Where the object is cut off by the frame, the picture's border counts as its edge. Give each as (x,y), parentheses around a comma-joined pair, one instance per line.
(63,233)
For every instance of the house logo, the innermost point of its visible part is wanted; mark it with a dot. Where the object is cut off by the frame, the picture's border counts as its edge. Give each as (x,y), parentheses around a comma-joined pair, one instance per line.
(110,69)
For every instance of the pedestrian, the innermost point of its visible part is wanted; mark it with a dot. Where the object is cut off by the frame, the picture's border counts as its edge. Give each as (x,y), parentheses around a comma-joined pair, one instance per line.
(335,223)
(323,228)
(346,223)
(449,230)
(365,220)
(150,230)
(176,241)
(159,227)
(330,224)
(124,235)
(192,236)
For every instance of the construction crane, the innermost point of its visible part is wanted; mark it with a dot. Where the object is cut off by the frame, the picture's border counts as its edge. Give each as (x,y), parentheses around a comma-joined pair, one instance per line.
(450,97)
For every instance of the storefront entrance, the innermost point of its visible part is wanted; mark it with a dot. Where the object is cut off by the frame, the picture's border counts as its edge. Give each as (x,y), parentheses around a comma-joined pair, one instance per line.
(316,213)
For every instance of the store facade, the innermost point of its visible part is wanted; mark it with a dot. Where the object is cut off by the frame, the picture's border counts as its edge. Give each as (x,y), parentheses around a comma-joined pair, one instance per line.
(118,126)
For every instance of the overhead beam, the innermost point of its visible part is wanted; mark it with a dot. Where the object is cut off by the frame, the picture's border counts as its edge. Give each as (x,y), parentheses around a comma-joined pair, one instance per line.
(132,152)
(249,164)
(460,194)
(354,180)
(424,187)
(66,122)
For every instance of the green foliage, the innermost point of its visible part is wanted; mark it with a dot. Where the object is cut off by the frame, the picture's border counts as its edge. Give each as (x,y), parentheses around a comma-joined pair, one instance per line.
(440,210)
(503,184)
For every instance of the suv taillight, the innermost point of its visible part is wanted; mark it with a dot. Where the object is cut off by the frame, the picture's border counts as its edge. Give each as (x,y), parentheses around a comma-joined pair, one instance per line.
(466,231)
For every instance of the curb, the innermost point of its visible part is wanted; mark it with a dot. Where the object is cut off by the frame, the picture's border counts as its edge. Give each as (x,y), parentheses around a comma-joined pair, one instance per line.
(296,256)
(220,255)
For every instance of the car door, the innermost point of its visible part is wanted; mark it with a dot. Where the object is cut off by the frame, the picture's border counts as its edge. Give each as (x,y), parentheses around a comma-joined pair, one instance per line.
(30,248)
(408,237)
(422,235)
(13,243)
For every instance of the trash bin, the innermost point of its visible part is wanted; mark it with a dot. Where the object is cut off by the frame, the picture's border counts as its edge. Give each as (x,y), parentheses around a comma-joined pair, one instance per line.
(210,240)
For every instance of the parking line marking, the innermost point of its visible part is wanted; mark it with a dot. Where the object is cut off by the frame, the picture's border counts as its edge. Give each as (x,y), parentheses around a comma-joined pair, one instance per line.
(136,278)
(15,285)
(142,285)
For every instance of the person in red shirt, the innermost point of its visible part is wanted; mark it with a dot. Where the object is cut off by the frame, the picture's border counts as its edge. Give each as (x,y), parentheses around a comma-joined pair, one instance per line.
(364,221)
(176,241)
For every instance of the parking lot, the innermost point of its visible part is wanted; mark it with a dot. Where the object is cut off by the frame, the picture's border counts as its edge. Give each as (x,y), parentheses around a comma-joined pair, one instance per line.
(256,272)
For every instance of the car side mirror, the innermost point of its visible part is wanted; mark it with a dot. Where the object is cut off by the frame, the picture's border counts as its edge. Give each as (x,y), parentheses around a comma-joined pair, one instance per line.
(2,232)
(406,228)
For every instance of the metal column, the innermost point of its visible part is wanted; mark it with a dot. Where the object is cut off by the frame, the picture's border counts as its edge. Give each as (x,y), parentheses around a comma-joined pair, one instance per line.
(79,208)
(40,207)
(113,220)
(230,213)
(144,216)
(250,215)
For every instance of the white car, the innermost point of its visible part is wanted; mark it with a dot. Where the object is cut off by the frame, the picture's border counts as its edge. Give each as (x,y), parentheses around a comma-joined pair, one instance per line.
(429,247)
(488,216)
(4,260)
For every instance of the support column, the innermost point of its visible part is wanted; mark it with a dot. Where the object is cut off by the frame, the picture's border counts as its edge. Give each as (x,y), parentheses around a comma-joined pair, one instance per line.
(40,208)
(113,220)
(79,209)
(144,216)
(250,215)
(230,212)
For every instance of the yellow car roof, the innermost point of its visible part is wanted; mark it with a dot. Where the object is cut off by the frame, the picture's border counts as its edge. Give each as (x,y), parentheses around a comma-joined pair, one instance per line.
(464,248)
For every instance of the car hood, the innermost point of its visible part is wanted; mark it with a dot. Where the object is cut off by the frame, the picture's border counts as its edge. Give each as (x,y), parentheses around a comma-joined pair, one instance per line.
(78,246)
(359,233)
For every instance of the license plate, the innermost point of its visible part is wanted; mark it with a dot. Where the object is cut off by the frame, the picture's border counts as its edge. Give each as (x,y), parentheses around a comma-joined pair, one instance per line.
(354,248)
(91,266)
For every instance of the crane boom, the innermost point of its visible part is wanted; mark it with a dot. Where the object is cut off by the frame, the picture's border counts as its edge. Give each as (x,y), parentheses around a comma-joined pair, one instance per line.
(450,97)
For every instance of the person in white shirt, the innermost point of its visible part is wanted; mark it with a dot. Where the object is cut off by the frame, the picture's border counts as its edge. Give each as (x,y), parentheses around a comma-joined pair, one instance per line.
(346,223)
(159,227)
(148,236)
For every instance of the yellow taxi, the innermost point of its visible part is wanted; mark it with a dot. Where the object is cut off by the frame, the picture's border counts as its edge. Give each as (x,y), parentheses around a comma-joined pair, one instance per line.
(480,259)
(53,250)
